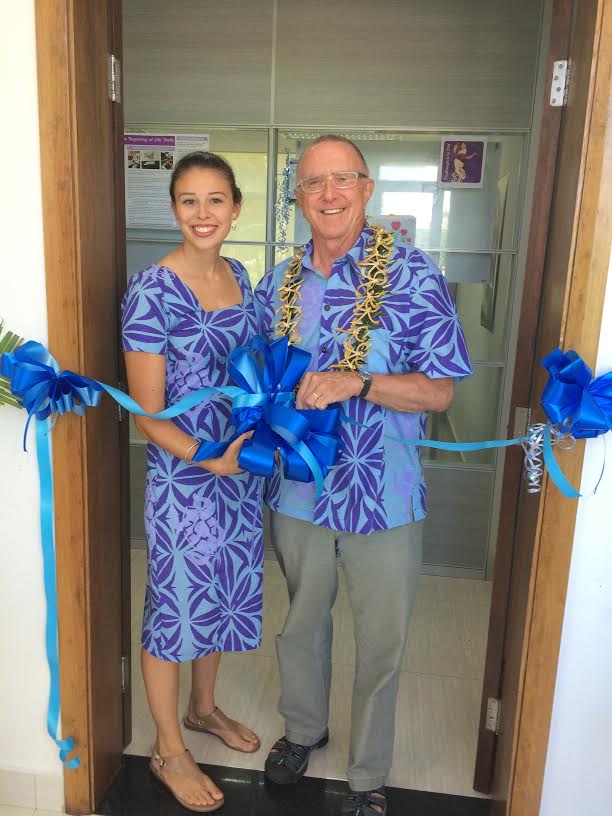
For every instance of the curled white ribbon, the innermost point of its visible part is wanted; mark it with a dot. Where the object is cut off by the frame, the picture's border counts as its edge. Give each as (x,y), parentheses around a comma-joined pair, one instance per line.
(533,466)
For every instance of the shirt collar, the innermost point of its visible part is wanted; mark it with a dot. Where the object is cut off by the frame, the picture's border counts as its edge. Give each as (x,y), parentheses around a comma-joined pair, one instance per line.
(353,256)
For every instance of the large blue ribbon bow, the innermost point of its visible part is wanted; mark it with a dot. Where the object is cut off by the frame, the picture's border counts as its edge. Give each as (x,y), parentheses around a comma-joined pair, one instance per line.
(43,389)
(307,441)
(572,399)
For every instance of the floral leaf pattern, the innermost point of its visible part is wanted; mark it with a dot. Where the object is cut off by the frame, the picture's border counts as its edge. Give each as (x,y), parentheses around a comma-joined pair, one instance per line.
(204,532)
(378,483)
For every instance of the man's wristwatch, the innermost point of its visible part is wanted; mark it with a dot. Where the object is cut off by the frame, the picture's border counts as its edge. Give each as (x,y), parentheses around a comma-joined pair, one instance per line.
(366,379)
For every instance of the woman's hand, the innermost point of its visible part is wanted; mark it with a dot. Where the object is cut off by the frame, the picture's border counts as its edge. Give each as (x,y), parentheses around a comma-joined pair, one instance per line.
(227,465)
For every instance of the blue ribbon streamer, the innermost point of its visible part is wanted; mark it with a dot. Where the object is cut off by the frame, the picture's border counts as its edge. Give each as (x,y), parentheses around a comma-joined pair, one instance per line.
(264,401)
(552,466)
(47,530)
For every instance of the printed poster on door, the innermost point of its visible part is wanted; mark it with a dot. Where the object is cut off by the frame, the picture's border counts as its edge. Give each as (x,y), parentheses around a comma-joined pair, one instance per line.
(149,161)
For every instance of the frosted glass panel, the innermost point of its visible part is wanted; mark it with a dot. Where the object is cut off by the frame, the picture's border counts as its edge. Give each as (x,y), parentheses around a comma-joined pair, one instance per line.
(442,64)
(143,251)
(472,417)
(189,61)
(253,258)
(456,532)
(484,309)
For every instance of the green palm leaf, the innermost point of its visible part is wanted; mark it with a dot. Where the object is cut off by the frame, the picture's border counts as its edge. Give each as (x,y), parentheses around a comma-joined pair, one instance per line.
(8,342)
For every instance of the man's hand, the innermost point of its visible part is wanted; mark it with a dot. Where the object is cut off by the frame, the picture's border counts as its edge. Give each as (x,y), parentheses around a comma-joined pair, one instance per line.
(319,389)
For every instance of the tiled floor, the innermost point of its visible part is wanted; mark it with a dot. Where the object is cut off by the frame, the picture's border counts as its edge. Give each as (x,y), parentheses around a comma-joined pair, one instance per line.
(9,810)
(439,698)
(136,793)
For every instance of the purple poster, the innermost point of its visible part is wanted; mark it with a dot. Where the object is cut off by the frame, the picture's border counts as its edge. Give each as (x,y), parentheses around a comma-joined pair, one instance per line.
(462,161)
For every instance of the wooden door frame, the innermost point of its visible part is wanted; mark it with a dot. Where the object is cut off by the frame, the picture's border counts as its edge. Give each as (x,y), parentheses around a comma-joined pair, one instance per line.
(57,101)
(525,360)
(65,90)
(580,329)
(57,112)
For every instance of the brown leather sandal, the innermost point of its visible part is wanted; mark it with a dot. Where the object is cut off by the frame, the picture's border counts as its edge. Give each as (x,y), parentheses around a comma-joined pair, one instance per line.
(179,764)
(218,721)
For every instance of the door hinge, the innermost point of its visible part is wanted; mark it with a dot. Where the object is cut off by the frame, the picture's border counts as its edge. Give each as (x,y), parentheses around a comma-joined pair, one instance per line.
(125,674)
(493,715)
(121,412)
(559,83)
(114,78)
(522,418)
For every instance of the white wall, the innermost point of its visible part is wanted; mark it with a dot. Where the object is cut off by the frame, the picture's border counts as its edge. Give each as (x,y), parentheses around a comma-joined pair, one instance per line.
(24,677)
(579,763)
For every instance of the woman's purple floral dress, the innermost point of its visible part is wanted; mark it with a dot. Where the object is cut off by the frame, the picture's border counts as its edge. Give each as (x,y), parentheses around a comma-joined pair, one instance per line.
(204,532)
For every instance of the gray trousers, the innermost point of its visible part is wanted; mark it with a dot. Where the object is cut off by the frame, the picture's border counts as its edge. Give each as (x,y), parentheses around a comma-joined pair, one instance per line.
(382,572)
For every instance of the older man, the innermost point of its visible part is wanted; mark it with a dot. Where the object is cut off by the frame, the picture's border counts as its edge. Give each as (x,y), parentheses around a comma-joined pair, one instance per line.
(386,343)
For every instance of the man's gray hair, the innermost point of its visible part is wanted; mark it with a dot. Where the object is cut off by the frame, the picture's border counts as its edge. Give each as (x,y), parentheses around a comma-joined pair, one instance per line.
(332,137)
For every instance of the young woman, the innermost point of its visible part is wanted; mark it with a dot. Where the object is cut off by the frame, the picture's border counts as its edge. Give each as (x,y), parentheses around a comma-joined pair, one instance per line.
(181,319)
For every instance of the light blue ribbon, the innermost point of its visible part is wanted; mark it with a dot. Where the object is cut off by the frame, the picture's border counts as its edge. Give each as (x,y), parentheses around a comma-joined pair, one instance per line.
(552,466)
(47,530)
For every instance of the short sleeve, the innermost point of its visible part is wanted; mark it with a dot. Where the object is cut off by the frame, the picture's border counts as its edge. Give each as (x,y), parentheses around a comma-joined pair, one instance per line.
(144,321)
(435,344)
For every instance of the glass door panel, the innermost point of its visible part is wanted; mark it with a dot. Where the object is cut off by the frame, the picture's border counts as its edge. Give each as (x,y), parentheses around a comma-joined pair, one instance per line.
(405,169)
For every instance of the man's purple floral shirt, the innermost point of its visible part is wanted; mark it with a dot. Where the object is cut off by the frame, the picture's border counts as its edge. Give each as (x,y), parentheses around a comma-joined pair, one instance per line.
(378,483)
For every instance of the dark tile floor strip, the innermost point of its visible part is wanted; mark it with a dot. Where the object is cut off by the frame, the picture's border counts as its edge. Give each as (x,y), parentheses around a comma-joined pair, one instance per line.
(136,793)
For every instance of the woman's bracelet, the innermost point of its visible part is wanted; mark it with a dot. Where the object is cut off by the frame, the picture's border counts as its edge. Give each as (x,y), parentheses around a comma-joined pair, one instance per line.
(188,451)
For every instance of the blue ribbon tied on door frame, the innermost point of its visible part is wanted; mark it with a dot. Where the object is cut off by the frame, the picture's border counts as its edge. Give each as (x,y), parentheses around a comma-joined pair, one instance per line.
(578,406)
(573,400)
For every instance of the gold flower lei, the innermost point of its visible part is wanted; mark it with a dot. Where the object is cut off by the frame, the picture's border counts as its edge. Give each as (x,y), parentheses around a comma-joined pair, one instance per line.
(368,299)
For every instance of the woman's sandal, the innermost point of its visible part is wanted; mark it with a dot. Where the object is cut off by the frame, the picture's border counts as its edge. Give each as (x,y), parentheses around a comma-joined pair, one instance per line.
(181,764)
(214,723)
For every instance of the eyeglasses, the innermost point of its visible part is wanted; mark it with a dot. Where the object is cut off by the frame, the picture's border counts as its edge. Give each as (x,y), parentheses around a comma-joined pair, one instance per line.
(342,181)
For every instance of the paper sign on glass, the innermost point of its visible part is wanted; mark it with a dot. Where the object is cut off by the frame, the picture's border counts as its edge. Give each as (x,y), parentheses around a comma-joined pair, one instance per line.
(462,161)
(149,162)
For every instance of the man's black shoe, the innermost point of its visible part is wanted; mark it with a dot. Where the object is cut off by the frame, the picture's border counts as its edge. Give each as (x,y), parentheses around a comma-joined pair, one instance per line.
(365,803)
(287,761)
